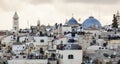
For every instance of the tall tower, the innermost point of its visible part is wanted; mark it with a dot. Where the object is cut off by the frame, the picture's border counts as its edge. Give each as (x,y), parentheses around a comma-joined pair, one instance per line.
(38,25)
(16,22)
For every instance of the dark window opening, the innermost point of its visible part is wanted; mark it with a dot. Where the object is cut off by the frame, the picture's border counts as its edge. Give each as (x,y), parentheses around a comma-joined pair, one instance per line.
(17,57)
(70,57)
(41,40)
(24,56)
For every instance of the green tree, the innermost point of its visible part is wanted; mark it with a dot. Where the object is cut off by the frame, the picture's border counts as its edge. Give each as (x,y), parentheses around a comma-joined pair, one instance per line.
(115,23)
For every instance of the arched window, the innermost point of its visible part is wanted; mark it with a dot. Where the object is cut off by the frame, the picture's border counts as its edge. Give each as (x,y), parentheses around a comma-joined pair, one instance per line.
(70,56)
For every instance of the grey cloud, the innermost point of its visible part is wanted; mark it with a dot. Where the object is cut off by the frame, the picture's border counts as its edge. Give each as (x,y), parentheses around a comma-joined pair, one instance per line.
(36,2)
(3,5)
(8,5)
(94,1)
(75,1)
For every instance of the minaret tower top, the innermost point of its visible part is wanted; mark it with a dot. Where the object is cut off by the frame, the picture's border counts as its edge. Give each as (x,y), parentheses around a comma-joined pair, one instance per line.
(15,21)
(15,16)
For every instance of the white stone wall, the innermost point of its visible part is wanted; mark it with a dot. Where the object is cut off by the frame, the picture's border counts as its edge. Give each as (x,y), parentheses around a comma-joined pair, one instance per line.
(58,41)
(27,61)
(37,40)
(18,48)
(77,56)
(23,38)
(66,29)
(114,44)
(7,40)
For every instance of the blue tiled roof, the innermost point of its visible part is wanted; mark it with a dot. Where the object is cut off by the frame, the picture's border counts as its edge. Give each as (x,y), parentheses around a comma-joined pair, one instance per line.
(72,21)
(90,22)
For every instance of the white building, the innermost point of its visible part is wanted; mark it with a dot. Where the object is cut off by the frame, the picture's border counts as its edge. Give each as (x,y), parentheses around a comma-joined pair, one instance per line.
(41,41)
(7,40)
(71,54)
(114,44)
(36,40)
(66,28)
(18,48)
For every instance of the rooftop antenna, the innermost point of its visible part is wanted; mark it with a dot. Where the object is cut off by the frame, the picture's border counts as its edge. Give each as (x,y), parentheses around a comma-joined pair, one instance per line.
(38,22)
(72,15)
(66,21)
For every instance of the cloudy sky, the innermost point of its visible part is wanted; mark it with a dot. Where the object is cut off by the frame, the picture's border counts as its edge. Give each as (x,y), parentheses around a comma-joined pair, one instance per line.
(55,11)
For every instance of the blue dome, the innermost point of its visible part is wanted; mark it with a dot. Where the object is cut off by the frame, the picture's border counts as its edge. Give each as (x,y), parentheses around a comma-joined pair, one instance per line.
(72,21)
(91,23)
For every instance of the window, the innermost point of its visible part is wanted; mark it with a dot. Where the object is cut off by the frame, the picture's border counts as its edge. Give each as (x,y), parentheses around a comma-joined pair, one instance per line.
(17,57)
(105,48)
(23,47)
(70,56)
(24,56)
(4,45)
(100,48)
(42,41)
(34,41)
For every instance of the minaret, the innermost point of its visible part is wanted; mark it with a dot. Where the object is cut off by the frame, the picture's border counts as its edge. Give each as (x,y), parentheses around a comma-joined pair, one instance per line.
(38,23)
(66,22)
(16,22)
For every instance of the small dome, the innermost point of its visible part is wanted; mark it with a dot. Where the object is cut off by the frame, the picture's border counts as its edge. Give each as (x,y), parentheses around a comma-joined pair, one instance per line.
(72,21)
(91,23)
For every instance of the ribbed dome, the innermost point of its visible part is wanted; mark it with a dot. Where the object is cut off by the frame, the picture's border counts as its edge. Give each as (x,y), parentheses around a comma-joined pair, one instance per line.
(72,21)
(91,23)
